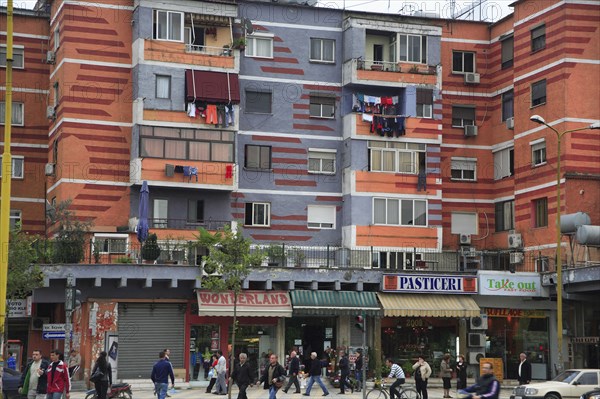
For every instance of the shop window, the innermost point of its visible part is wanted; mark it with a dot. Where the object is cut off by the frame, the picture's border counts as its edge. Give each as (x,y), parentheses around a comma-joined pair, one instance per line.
(538,153)
(508,52)
(15,219)
(110,243)
(321,161)
(464,223)
(18,113)
(399,212)
(257,157)
(413,48)
(321,217)
(168,25)
(322,50)
(385,156)
(424,103)
(504,163)
(18,166)
(538,93)
(258,214)
(258,102)
(505,215)
(538,38)
(463,169)
(204,341)
(540,212)
(322,107)
(259,46)
(463,61)
(508,105)
(18,56)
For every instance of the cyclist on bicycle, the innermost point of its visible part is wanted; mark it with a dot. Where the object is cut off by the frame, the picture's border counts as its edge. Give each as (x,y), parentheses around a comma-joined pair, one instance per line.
(397,373)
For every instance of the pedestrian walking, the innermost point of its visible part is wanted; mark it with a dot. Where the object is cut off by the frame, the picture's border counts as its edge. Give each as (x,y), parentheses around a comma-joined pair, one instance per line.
(11,363)
(524,370)
(161,372)
(446,374)
(358,369)
(461,373)
(221,370)
(34,381)
(487,385)
(294,369)
(212,372)
(57,375)
(315,375)
(273,377)
(397,373)
(74,362)
(242,375)
(344,365)
(422,372)
(102,365)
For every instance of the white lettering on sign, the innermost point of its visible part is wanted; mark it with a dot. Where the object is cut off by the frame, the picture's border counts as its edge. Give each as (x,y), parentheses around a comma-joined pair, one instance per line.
(442,284)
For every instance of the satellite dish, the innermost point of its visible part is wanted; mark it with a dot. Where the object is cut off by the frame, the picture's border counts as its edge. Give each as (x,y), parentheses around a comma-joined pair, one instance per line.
(247,24)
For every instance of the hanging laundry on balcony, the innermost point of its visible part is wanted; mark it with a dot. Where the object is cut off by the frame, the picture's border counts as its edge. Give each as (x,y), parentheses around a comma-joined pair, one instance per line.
(376,105)
(190,171)
(228,171)
(390,126)
(212,87)
(178,168)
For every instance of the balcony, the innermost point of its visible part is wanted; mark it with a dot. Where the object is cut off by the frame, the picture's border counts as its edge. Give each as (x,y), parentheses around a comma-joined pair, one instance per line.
(359,71)
(213,57)
(181,118)
(415,127)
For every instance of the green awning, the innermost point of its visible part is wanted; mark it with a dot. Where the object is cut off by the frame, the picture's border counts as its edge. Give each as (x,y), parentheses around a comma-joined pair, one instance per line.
(334,302)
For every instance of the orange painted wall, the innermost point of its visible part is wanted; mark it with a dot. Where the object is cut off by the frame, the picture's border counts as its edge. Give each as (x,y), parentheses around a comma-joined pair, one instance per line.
(396,236)
(159,50)
(208,172)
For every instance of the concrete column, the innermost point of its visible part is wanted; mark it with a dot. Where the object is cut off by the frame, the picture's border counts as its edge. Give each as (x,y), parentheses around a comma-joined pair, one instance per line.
(376,343)
(343,331)
(280,331)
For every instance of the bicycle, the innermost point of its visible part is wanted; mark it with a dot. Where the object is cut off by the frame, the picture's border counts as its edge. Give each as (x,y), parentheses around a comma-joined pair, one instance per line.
(382,392)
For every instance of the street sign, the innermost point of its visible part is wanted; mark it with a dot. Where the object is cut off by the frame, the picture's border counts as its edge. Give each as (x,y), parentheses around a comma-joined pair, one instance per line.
(53,335)
(54,327)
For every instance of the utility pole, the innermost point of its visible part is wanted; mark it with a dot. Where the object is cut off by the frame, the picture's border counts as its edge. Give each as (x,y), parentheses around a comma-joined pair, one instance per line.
(69,307)
(364,367)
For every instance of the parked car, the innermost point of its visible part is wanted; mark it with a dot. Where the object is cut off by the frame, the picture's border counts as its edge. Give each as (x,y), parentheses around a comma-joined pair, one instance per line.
(568,384)
(10,383)
(593,394)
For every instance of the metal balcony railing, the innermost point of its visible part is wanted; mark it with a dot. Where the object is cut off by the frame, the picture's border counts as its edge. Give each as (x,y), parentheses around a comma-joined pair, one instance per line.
(209,50)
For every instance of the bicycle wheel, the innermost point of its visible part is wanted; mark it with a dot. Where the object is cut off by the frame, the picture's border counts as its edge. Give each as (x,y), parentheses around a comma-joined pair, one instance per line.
(409,393)
(377,393)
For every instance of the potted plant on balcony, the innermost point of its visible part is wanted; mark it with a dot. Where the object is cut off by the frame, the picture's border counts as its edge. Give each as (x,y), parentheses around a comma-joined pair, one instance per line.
(298,256)
(150,249)
(276,255)
(239,43)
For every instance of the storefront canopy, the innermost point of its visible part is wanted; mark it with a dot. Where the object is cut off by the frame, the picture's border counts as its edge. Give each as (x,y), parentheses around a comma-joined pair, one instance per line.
(249,303)
(212,87)
(334,302)
(424,305)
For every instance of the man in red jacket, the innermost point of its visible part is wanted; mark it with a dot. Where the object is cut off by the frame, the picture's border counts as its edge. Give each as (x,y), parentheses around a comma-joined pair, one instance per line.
(58,377)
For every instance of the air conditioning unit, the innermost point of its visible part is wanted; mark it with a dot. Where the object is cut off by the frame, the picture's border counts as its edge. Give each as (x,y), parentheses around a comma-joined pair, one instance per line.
(50,169)
(50,112)
(510,123)
(470,130)
(472,78)
(515,240)
(475,357)
(37,323)
(516,258)
(479,322)
(465,239)
(50,57)
(476,340)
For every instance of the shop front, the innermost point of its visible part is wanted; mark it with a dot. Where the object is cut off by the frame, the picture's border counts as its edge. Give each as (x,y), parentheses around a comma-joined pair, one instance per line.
(424,315)
(260,316)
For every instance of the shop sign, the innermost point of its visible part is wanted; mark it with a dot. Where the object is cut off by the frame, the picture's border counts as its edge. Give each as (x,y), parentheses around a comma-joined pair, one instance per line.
(252,298)
(506,312)
(585,340)
(17,308)
(502,283)
(437,284)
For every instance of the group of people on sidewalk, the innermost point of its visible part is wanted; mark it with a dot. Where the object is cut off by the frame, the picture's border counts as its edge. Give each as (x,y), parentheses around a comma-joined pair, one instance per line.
(43,379)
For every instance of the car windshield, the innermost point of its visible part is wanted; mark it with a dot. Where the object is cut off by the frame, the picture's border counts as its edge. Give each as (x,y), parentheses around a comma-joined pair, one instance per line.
(566,376)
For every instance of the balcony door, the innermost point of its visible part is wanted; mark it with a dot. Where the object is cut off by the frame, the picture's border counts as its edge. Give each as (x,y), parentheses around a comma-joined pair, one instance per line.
(160,213)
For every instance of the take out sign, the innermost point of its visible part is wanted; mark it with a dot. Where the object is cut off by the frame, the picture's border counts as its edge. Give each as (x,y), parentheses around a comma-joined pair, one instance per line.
(504,283)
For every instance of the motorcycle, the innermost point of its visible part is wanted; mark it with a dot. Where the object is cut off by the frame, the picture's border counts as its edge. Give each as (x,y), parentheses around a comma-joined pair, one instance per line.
(117,391)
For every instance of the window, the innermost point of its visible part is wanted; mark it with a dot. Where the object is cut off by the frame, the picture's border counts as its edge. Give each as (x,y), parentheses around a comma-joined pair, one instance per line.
(463,116)
(399,212)
(424,103)
(321,217)
(504,161)
(258,214)
(463,169)
(508,46)
(160,213)
(190,144)
(163,86)
(18,163)
(538,93)
(463,61)
(540,212)
(168,25)
(18,113)
(321,161)
(56,39)
(505,215)
(413,48)
(538,38)
(322,50)
(111,243)
(258,102)
(15,220)
(257,157)
(463,223)
(195,211)
(56,94)
(18,57)
(386,156)
(538,152)
(259,46)
(508,105)
(322,107)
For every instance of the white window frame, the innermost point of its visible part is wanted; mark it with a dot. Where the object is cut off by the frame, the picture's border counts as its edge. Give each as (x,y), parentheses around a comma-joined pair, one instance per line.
(462,120)
(14,160)
(320,217)
(158,77)
(502,163)
(401,56)
(463,164)
(538,152)
(159,221)
(17,50)
(15,218)
(56,38)
(393,147)
(463,52)
(155,13)
(251,45)
(464,223)
(55,94)
(15,105)
(318,100)
(321,43)
(109,238)
(322,154)
(267,213)
(426,111)
(400,201)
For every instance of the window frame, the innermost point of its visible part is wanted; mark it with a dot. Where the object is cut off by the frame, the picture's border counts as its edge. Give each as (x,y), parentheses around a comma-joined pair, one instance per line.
(155,24)
(322,41)
(14,107)
(538,153)
(422,107)
(17,49)
(507,63)
(462,70)
(257,93)
(260,160)
(536,102)
(14,159)
(321,151)
(267,214)
(321,225)
(321,101)
(400,203)
(56,38)
(506,102)
(15,218)
(108,239)
(462,120)
(464,161)
(394,147)
(159,221)
(500,209)
(462,228)
(540,219)
(251,45)
(156,79)
(538,40)
(196,203)
(422,49)
(505,154)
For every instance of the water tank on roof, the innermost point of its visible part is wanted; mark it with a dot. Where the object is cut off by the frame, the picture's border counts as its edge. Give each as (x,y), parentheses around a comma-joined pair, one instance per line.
(569,223)
(588,235)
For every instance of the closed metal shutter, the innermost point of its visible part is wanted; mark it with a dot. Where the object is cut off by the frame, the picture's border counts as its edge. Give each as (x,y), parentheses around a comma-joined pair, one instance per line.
(144,330)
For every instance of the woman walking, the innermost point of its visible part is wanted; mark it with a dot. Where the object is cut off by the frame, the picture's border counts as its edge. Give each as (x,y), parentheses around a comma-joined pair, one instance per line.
(105,381)
(422,373)
(212,373)
(461,373)
(446,374)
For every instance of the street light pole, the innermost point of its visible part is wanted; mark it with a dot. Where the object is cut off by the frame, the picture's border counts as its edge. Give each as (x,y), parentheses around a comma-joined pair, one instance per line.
(559,284)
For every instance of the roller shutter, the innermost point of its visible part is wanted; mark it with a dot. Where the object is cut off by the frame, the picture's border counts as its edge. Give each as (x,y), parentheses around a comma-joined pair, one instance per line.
(144,330)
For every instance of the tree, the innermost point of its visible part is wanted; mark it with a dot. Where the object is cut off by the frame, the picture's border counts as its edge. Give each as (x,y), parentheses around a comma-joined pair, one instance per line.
(24,274)
(226,266)
(71,233)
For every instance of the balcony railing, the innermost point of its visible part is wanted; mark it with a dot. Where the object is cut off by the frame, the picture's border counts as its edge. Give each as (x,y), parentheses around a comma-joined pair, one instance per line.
(209,50)
(184,224)
(390,66)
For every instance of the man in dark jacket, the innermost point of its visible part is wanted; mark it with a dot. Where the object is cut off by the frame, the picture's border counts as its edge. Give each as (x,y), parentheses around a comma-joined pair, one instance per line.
(294,369)
(524,370)
(242,375)
(344,364)
(273,376)
(315,375)
(161,372)
(34,383)
(487,386)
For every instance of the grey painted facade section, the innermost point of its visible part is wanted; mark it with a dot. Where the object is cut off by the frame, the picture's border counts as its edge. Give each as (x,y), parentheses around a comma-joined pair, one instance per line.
(145,87)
